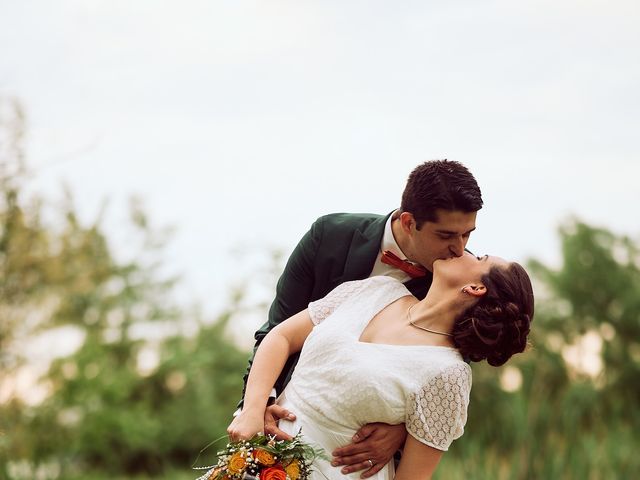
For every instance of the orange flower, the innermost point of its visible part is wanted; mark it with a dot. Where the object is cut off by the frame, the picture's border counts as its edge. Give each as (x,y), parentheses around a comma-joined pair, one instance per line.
(264,457)
(273,473)
(293,470)
(237,463)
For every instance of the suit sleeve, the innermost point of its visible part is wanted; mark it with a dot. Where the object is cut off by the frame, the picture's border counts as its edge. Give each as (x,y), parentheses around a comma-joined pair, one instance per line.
(293,294)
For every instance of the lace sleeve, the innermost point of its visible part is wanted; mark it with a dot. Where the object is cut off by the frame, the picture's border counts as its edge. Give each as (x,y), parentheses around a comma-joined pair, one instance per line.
(437,412)
(322,308)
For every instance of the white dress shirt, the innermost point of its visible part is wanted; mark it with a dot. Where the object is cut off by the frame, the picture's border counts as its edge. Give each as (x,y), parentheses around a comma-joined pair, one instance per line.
(389,243)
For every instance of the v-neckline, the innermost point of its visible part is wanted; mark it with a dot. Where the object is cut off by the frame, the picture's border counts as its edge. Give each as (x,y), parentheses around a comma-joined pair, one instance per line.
(359,340)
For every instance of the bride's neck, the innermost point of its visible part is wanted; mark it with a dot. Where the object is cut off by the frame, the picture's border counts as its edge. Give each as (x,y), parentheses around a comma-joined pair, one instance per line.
(438,310)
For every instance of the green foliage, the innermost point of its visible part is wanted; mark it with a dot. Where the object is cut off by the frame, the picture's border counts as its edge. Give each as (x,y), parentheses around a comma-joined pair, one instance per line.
(103,412)
(114,419)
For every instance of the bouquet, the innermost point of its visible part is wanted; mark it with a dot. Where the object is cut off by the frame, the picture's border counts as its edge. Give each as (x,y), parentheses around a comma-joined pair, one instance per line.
(264,458)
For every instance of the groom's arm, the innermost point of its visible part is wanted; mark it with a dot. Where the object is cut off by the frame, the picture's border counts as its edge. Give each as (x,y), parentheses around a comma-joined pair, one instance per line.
(375,442)
(293,294)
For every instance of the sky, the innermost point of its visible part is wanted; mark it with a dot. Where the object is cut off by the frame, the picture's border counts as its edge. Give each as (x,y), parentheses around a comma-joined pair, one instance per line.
(241,122)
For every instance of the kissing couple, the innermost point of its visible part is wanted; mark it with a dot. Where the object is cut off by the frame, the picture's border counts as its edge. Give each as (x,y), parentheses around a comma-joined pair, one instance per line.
(375,323)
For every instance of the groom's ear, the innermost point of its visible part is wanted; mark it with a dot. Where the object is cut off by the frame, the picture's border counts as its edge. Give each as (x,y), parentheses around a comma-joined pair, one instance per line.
(406,221)
(474,289)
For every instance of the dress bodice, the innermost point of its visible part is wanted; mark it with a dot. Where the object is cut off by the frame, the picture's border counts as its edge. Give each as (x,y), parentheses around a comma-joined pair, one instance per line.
(342,382)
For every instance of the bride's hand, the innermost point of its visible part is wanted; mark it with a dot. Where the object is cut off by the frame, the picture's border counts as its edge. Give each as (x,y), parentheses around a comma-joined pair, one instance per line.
(245,425)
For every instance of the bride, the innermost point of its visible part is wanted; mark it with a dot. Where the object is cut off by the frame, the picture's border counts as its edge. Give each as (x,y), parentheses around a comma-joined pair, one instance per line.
(371,352)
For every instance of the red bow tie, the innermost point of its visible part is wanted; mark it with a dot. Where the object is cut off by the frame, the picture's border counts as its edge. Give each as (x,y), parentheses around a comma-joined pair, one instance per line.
(414,271)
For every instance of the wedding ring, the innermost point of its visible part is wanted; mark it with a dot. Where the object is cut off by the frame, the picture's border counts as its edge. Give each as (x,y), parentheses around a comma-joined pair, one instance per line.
(371,464)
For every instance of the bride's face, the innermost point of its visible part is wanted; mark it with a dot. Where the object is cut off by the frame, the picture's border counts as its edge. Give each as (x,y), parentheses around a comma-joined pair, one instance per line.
(465,269)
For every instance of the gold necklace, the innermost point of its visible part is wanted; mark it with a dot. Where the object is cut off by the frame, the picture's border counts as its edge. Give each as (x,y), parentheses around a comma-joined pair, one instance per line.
(424,328)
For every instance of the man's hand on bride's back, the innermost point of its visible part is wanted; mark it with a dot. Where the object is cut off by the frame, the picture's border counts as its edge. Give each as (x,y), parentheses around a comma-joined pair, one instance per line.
(245,425)
(371,449)
(272,415)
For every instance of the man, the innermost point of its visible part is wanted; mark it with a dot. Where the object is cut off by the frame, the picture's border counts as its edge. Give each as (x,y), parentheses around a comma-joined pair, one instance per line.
(435,219)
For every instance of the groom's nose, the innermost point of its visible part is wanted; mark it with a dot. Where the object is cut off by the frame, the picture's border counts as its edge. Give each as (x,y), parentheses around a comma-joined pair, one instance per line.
(456,247)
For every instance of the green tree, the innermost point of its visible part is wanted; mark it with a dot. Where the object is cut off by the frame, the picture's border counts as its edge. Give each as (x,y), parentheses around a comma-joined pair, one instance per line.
(102,412)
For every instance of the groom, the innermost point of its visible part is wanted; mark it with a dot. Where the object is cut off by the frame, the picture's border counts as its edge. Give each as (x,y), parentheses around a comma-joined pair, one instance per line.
(435,219)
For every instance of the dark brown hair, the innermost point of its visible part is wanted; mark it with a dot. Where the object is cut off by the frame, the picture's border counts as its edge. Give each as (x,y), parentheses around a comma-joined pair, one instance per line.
(496,327)
(440,184)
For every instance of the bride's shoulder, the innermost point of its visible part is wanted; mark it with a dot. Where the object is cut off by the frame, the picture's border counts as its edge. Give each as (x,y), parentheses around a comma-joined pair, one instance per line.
(446,373)
(372,286)
(389,285)
(385,280)
(456,371)
(377,284)
(385,284)
(372,282)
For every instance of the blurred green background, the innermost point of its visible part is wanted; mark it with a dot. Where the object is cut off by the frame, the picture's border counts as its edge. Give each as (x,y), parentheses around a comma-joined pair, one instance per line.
(124,406)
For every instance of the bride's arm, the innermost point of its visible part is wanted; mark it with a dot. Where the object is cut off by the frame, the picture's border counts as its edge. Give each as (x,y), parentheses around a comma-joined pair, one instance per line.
(435,416)
(418,462)
(281,342)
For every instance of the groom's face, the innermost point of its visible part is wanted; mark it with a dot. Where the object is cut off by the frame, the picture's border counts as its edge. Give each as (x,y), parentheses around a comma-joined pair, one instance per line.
(445,238)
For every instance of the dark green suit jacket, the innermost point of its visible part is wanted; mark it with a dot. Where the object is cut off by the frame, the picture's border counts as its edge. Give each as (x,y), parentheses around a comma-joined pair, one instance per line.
(339,247)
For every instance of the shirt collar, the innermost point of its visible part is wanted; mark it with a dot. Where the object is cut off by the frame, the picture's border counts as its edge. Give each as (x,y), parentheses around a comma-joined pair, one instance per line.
(388,240)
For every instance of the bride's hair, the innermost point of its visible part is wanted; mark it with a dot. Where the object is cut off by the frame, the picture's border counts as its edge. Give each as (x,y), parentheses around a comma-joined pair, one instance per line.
(496,327)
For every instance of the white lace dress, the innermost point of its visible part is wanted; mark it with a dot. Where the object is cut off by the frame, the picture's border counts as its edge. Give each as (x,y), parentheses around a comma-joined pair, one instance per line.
(341,383)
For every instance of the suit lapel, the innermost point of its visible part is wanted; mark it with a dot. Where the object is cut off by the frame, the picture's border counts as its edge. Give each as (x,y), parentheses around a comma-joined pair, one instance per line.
(364,250)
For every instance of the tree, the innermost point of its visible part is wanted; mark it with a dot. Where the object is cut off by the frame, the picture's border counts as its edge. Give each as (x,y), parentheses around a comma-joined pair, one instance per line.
(102,411)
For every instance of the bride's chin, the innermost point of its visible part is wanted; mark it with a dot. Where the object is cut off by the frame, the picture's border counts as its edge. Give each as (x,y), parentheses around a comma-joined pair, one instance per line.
(438,262)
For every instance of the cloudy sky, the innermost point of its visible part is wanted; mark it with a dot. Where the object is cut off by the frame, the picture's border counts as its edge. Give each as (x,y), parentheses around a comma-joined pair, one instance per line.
(240,122)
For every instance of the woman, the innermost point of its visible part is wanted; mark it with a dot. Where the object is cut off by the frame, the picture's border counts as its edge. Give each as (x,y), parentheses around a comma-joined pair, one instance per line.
(371,352)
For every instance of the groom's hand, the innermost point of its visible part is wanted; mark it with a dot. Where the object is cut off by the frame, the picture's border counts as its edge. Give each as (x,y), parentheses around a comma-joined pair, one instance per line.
(373,443)
(272,415)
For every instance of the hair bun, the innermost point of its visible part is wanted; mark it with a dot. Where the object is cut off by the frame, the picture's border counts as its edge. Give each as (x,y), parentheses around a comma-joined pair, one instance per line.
(497,326)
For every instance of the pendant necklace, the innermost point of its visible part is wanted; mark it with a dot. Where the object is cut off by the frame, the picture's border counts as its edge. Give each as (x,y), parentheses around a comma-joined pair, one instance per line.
(424,328)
